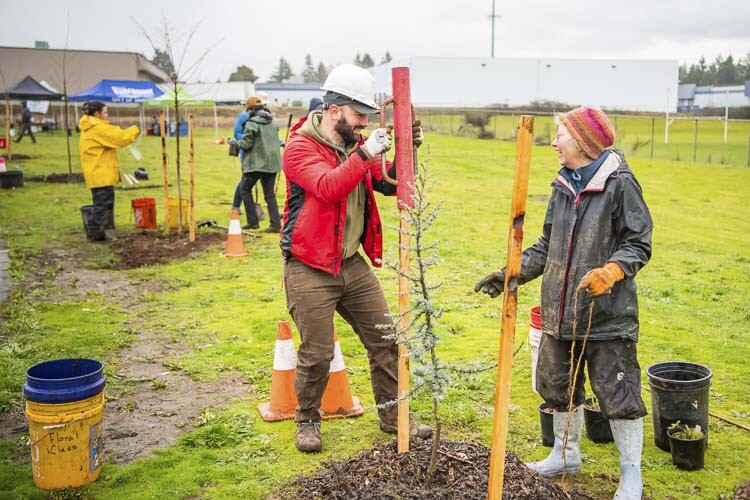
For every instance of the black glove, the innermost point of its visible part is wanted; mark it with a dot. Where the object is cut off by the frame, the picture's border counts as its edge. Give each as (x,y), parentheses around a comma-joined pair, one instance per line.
(416,133)
(492,284)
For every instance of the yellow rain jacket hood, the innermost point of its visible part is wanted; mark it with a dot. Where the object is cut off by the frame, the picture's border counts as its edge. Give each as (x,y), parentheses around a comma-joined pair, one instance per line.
(97,145)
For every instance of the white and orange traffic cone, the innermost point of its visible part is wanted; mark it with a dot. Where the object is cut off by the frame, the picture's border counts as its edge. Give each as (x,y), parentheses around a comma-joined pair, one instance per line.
(283,403)
(337,399)
(235,245)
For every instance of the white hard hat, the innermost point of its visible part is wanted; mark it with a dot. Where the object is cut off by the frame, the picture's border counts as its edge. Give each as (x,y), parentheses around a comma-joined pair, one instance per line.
(353,82)
(264,98)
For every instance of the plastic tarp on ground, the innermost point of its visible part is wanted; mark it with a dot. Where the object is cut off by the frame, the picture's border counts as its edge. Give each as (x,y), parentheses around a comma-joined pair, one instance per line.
(120,91)
(30,89)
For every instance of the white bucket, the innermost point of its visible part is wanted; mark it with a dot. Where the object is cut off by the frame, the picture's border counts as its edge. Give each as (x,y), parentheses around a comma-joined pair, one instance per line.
(535,338)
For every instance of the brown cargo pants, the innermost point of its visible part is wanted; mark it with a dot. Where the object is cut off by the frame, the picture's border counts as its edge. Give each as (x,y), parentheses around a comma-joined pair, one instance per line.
(312,297)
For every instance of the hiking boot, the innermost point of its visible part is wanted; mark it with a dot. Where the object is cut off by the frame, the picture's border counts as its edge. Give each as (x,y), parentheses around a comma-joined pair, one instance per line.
(272,229)
(308,436)
(415,429)
(250,226)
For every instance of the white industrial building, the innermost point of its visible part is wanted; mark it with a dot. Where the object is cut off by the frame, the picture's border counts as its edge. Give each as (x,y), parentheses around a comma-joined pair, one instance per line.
(623,84)
(290,94)
(692,96)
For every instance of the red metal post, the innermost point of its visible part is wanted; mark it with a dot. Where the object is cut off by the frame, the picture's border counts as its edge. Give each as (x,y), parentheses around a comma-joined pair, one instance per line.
(402,119)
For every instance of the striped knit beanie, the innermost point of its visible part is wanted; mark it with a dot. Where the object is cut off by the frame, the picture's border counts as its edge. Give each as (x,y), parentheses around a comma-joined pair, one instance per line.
(590,128)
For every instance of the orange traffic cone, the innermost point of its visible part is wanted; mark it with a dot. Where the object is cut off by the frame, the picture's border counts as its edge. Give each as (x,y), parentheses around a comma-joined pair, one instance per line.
(235,245)
(283,402)
(337,400)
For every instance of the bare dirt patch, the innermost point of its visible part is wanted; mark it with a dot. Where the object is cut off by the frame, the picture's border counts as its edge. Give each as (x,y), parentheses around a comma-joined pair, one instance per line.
(149,405)
(145,248)
(154,405)
(462,471)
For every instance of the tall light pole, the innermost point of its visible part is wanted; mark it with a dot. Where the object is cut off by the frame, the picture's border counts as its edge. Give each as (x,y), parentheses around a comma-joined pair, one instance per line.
(493,17)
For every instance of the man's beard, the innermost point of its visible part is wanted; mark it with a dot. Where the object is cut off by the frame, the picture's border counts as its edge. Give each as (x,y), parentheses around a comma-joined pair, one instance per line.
(347,133)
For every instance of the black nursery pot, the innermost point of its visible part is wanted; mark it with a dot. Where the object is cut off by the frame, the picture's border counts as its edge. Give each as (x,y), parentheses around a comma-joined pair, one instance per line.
(687,454)
(597,425)
(547,425)
(11,179)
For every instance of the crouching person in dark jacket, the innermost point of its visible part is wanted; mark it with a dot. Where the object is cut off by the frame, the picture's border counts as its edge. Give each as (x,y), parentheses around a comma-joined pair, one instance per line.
(596,237)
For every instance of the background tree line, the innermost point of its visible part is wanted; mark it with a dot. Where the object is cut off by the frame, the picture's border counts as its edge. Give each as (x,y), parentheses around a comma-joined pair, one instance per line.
(722,71)
(310,73)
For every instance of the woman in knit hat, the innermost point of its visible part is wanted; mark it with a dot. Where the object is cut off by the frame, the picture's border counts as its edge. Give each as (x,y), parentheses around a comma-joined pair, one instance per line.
(596,237)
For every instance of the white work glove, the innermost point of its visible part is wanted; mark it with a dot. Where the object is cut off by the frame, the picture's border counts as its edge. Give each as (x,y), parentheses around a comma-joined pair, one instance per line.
(378,142)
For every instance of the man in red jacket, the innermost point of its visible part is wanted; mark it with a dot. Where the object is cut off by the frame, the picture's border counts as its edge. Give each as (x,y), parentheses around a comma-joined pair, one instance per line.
(332,172)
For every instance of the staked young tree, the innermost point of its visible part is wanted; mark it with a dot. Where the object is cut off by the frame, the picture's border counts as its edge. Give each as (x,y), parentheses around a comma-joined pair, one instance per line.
(422,335)
(164,41)
(309,75)
(282,72)
(243,74)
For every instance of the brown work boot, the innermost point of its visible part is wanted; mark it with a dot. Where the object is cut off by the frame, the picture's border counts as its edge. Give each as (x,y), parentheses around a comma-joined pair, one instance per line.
(415,429)
(308,436)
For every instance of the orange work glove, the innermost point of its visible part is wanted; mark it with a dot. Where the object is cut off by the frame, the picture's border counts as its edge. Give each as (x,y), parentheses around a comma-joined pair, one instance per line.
(598,281)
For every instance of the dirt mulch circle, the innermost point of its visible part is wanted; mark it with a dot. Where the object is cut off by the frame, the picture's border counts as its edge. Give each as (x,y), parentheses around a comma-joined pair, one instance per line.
(742,492)
(16,157)
(63,178)
(461,472)
(146,248)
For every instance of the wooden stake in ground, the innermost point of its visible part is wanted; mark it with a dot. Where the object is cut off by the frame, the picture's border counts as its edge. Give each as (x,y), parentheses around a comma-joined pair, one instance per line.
(402,119)
(7,128)
(510,305)
(191,164)
(162,127)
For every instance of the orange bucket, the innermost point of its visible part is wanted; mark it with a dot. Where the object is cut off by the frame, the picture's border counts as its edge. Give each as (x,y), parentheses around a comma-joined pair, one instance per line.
(144,212)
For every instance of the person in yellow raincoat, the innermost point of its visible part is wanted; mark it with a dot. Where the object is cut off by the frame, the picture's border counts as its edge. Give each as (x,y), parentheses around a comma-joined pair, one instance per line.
(99,140)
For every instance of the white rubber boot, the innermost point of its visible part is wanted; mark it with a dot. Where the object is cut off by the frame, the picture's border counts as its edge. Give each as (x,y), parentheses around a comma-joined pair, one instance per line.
(628,436)
(553,464)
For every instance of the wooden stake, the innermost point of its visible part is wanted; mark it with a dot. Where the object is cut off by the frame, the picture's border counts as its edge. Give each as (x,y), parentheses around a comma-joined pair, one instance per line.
(7,129)
(510,305)
(402,119)
(191,164)
(162,127)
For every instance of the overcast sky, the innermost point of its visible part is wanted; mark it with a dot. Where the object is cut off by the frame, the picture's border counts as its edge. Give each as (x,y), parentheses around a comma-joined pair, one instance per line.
(258,32)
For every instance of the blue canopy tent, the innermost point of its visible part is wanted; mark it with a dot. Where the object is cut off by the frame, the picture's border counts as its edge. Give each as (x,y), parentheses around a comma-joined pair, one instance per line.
(120,91)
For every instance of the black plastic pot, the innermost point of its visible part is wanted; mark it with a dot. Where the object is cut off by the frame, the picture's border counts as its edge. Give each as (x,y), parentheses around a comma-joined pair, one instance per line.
(679,392)
(687,454)
(546,422)
(597,425)
(11,179)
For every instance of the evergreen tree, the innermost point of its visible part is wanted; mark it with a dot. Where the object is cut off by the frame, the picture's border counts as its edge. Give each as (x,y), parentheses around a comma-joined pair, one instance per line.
(243,74)
(726,72)
(386,58)
(162,61)
(282,72)
(322,72)
(309,75)
(364,61)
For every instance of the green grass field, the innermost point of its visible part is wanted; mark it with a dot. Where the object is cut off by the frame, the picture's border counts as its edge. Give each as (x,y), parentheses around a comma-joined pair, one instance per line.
(693,302)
